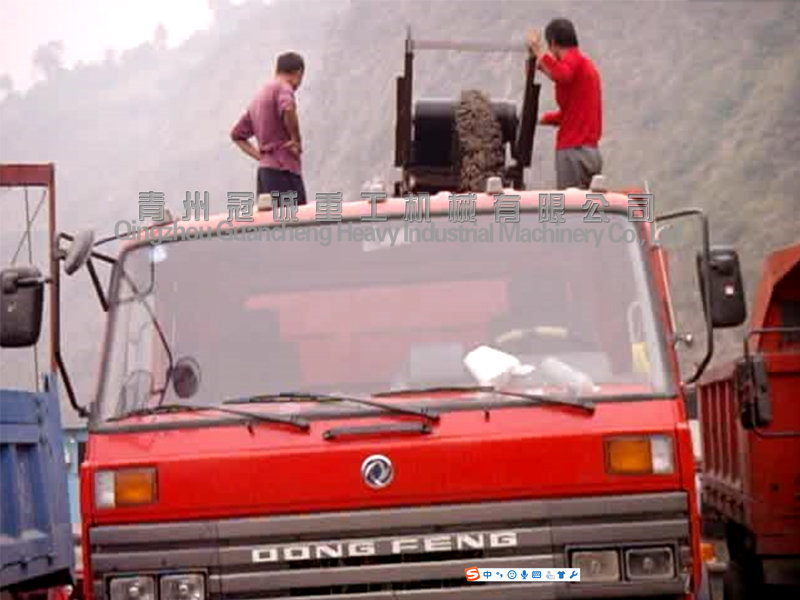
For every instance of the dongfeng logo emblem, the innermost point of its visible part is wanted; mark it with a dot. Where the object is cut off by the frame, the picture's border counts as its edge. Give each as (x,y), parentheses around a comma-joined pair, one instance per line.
(377,471)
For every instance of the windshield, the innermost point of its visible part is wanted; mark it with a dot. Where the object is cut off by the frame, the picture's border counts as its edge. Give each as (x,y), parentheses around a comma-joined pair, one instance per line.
(331,311)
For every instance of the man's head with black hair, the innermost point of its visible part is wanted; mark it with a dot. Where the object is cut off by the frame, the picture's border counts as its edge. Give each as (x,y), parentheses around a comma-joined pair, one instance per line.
(560,35)
(290,67)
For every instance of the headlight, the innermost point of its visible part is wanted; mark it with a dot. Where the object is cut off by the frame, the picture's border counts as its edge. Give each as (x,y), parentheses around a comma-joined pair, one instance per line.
(640,455)
(649,563)
(132,588)
(183,587)
(596,565)
(124,487)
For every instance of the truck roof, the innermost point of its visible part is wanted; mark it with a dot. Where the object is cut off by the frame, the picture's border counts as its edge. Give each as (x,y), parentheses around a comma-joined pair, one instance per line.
(574,200)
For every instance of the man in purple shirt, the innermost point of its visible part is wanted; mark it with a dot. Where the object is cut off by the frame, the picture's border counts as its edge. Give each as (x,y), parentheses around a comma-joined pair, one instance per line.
(272,118)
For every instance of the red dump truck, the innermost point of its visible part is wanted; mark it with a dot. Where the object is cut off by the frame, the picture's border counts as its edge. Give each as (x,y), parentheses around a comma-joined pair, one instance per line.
(750,421)
(368,409)
(368,401)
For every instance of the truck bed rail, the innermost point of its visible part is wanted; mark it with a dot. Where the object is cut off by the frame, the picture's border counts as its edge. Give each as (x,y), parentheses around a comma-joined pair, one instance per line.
(36,538)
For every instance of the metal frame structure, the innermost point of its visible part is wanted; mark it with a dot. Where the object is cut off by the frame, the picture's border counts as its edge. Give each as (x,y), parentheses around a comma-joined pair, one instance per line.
(521,150)
(42,175)
(33,435)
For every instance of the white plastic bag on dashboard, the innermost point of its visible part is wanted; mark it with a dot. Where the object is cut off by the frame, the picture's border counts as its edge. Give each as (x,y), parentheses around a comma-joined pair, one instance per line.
(493,367)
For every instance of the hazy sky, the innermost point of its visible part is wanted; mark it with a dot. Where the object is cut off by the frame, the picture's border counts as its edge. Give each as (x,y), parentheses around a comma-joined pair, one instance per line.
(89,27)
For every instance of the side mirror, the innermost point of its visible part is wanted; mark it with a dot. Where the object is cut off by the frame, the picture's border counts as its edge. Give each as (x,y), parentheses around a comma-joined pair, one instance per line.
(728,308)
(79,251)
(21,306)
(186,377)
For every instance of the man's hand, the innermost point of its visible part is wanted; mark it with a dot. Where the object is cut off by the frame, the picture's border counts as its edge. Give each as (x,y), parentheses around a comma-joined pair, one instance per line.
(293,127)
(535,42)
(248,149)
(294,146)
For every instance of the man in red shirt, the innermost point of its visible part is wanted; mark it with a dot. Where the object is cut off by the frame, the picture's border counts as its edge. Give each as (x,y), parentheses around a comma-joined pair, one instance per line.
(578,95)
(272,118)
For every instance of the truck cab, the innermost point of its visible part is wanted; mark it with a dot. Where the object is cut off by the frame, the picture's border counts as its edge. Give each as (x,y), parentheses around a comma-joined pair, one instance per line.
(289,407)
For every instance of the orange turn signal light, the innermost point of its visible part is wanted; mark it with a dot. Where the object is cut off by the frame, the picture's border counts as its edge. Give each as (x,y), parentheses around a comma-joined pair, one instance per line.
(708,552)
(125,487)
(628,456)
(133,487)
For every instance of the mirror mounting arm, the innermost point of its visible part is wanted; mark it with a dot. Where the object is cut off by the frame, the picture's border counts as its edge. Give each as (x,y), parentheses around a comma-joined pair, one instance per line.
(101,296)
(62,255)
(79,256)
(687,339)
(706,291)
(73,400)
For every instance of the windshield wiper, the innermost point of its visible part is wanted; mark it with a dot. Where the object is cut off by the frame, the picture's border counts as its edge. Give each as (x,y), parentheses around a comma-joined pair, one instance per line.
(569,400)
(167,408)
(402,410)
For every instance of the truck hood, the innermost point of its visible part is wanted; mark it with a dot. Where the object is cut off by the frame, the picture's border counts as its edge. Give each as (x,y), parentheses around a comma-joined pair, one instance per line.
(254,468)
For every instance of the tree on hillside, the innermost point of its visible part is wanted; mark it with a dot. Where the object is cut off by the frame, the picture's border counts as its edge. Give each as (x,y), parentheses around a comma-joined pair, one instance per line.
(49,58)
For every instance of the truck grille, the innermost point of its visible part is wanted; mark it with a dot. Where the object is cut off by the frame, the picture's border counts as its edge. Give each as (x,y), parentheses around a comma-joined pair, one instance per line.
(412,552)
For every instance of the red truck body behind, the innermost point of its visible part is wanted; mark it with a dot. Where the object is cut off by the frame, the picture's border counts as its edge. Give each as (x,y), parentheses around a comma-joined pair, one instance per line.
(750,419)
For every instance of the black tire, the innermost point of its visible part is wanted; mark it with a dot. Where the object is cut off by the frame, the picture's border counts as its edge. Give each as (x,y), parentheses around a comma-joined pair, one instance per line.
(740,583)
(783,592)
(480,141)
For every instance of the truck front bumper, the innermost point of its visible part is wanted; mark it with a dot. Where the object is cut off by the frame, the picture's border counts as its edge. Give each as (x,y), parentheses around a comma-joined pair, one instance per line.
(420,553)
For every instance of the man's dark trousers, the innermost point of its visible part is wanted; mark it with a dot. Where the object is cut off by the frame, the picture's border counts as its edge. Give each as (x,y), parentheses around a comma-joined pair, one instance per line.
(276,180)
